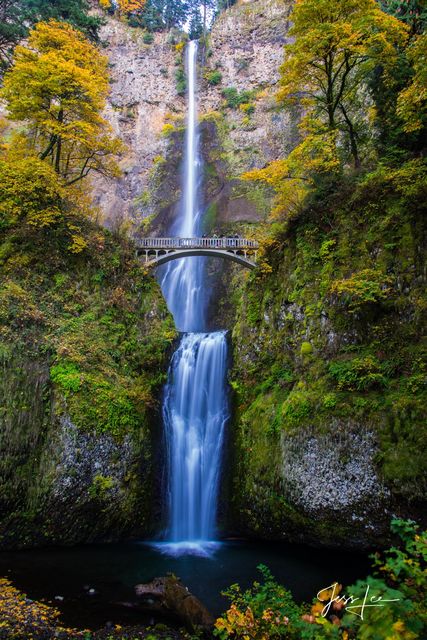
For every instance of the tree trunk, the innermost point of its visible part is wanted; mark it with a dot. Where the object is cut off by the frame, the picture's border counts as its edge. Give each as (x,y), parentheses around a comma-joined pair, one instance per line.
(353,138)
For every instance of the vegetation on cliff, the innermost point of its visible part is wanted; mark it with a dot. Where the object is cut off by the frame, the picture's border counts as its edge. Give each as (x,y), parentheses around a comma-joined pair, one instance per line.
(84,330)
(388,604)
(18,16)
(329,338)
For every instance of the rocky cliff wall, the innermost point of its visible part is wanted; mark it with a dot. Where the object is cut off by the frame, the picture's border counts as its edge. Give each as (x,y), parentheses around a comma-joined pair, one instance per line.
(245,48)
(84,342)
(328,371)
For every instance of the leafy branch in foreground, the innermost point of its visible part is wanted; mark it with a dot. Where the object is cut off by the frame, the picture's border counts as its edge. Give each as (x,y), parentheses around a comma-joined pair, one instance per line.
(267,610)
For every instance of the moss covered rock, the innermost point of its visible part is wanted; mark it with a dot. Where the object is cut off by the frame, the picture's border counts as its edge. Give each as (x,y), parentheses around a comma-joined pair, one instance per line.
(84,346)
(329,363)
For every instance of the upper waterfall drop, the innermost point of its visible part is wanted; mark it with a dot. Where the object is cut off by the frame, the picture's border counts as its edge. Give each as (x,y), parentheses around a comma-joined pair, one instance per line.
(183,282)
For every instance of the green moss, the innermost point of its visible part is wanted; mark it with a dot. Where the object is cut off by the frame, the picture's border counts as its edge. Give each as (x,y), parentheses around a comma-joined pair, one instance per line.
(306,349)
(346,278)
(296,408)
(100,487)
(358,374)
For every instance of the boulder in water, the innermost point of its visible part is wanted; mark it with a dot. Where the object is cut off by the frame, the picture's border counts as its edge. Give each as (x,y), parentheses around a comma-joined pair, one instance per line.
(170,596)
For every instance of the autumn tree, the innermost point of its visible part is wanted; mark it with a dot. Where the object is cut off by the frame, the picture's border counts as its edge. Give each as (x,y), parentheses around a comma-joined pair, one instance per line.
(412,100)
(130,6)
(337,43)
(57,86)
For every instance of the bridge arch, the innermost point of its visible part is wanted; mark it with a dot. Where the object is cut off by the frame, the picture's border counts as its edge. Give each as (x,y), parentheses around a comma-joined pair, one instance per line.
(158,251)
(164,258)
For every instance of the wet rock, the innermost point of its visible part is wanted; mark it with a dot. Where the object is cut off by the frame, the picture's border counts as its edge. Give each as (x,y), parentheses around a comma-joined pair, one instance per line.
(168,595)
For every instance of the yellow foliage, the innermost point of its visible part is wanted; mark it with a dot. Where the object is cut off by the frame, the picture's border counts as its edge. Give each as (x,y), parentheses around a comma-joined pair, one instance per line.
(167,129)
(58,85)
(24,618)
(31,191)
(337,43)
(292,177)
(131,6)
(412,101)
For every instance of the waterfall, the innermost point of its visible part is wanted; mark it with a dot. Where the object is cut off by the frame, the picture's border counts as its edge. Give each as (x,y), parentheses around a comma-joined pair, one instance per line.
(182,282)
(195,398)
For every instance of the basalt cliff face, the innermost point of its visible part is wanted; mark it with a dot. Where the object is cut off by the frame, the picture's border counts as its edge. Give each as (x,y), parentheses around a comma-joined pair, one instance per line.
(147,109)
(82,343)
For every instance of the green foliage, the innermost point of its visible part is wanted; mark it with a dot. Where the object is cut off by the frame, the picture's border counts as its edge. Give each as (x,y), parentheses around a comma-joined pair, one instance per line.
(148,38)
(67,376)
(296,408)
(234,98)
(359,374)
(329,401)
(100,487)
(248,108)
(18,16)
(181,81)
(369,286)
(267,610)
(403,577)
(214,77)
(411,12)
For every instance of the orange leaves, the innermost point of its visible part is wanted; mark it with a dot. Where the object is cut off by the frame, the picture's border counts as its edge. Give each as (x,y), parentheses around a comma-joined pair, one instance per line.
(246,626)
(130,6)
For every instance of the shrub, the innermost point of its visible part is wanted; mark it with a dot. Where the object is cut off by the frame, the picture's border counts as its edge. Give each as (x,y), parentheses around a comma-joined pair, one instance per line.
(266,610)
(368,286)
(214,78)
(247,107)
(148,38)
(296,408)
(67,376)
(329,401)
(234,98)
(101,485)
(359,374)
(167,129)
(181,81)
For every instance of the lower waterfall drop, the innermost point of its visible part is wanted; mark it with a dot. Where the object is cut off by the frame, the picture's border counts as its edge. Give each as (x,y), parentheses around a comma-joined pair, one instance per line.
(195,413)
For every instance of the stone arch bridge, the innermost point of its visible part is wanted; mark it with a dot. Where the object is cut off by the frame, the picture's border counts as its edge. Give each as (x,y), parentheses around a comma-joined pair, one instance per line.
(157,251)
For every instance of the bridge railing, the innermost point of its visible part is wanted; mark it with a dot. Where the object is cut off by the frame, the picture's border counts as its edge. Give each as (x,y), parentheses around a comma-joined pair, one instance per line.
(197,243)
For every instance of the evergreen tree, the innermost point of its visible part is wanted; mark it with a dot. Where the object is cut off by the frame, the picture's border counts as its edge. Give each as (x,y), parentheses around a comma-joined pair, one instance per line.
(17,16)
(411,12)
